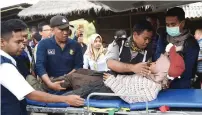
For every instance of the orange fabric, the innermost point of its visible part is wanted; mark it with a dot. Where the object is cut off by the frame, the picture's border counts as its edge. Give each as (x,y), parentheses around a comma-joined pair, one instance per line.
(177,65)
(164,108)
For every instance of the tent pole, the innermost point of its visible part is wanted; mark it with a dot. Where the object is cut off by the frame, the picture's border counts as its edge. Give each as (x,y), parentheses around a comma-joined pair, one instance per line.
(130,21)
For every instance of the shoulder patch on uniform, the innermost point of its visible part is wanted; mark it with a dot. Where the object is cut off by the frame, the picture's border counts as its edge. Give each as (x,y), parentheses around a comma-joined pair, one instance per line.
(71,52)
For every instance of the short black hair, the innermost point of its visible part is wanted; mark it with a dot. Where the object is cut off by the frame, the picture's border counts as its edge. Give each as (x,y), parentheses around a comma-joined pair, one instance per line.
(41,24)
(153,17)
(176,11)
(12,25)
(37,36)
(142,26)
(33,29)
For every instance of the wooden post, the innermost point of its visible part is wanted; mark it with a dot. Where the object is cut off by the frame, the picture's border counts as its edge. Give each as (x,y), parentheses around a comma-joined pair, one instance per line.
(130,21)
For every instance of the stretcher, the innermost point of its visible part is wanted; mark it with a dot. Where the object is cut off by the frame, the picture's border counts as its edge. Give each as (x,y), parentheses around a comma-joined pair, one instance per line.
(180,102)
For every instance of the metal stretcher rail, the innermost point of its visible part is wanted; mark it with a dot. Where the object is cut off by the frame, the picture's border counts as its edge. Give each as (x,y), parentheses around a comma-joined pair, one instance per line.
(82,111)
(189,99)
(112,94)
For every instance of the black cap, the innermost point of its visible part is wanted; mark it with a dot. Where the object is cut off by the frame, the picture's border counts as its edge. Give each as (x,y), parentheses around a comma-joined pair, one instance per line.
(120,34)
(59,21)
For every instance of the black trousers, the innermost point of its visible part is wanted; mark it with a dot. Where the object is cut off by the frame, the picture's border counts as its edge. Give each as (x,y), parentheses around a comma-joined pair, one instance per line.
(199,76)
(199,80)
(196,83)
(97,86)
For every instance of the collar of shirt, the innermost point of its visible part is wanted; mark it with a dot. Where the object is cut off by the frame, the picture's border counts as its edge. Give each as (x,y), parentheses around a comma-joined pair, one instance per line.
(134,53)
(7,56)
(67,42)
(200,40)
(28,54)
(44,38)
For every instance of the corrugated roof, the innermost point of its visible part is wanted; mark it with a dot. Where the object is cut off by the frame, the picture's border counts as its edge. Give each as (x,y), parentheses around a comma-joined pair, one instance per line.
(193,10)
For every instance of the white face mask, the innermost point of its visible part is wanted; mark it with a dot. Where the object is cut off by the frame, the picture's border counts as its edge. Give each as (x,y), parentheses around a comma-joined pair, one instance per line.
(173,31)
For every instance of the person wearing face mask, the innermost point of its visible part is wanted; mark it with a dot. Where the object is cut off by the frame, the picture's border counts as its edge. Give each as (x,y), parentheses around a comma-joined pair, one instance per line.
(94,55)
(179,35)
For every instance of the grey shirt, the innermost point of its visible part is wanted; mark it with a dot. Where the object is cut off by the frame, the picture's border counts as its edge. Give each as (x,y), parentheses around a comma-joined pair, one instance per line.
(113,52)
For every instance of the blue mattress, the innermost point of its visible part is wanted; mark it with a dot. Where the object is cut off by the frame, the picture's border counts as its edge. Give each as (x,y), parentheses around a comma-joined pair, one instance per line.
(186,98)
(179,98)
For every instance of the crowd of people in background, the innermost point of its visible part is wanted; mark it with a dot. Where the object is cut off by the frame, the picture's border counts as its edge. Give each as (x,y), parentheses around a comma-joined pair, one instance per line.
(52,61)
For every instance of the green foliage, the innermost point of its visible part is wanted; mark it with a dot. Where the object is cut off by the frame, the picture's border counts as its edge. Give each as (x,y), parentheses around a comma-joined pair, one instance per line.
(89,28)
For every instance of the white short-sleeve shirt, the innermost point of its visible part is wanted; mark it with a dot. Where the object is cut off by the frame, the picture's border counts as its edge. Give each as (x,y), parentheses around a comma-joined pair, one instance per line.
(99,65)
(11,79)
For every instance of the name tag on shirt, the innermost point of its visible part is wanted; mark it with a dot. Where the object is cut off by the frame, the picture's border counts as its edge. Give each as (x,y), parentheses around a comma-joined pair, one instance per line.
(51,51)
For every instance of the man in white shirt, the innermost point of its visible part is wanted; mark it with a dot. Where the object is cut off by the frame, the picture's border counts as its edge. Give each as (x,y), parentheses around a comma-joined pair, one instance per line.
(13,85)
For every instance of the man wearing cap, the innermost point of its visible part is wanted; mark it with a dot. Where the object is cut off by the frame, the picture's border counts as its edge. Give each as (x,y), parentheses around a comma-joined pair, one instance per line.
(14,88)
(179,35)
(58,55)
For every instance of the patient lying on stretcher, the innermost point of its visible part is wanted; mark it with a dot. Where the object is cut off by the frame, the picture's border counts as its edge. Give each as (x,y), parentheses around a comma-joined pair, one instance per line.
(145,87)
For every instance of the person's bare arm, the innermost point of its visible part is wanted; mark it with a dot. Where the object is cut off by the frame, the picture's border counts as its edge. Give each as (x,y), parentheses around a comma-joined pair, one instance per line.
(120,67)
(73,100)
(112,57)
(55,86)
(46,80)
(72,71)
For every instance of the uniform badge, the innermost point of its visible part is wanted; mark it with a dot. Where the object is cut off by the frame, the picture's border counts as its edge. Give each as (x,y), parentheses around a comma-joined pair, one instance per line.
(71,52)
(51,51)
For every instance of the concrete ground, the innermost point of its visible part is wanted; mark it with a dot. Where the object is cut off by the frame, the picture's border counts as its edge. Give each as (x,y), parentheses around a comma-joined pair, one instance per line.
(45,114)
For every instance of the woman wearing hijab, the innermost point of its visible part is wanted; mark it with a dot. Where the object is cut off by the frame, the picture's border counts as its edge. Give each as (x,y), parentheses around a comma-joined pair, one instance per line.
(94,57)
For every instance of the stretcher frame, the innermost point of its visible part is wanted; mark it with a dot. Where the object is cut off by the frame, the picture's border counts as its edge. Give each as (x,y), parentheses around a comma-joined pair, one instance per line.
(87,111)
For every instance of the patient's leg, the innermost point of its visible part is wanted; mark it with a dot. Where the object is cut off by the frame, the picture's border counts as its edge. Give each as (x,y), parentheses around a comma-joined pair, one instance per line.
(78,79)
(85,71)
(97,86)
